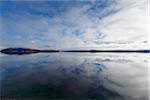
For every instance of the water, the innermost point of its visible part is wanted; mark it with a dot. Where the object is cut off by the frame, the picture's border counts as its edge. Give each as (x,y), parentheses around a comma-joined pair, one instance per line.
(100,76)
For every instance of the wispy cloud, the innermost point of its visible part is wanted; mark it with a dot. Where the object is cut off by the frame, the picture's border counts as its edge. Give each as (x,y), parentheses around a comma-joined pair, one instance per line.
(103,24)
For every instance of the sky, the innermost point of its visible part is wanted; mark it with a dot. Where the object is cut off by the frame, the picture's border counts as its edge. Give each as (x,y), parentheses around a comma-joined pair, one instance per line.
(74,24)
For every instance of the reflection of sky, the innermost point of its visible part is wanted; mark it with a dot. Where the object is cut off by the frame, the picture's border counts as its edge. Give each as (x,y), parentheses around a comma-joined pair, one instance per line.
(61,75)
(74,24)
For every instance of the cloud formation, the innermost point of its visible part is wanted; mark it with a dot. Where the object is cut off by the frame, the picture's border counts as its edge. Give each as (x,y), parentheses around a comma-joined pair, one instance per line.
(103,24)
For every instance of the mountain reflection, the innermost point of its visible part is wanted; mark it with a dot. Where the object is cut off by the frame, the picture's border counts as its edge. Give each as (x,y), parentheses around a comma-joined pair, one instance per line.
(75,76)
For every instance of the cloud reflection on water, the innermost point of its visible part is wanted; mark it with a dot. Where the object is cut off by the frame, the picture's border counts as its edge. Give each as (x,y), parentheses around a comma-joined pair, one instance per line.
(75,76)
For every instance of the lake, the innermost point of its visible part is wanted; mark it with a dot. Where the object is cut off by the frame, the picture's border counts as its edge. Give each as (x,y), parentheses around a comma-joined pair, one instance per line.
(92,76)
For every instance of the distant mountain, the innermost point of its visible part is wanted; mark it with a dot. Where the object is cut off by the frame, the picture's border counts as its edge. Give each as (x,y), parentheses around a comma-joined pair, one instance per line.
(19,51)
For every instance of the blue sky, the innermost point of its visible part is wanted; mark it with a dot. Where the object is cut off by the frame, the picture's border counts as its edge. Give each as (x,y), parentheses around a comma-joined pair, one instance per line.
(74,24)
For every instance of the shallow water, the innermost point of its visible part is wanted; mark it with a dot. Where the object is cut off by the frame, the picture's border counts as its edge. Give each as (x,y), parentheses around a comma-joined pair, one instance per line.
(102,76)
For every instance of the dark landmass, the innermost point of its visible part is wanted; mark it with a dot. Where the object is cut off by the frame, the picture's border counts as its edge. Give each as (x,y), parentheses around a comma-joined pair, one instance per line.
(115,51)
(21,51)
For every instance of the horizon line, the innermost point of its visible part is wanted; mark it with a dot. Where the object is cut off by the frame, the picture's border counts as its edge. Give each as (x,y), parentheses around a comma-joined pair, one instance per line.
(29,51)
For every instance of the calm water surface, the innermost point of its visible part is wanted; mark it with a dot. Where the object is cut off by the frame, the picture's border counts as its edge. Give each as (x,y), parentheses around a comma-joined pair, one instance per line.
(100,76)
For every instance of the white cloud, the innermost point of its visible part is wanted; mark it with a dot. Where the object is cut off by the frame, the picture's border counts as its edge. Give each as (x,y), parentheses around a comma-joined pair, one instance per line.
(129,24)
(118,25)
